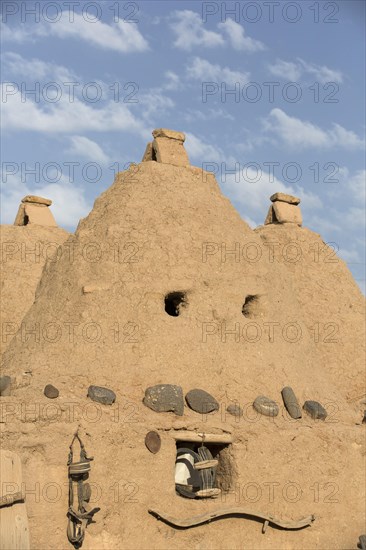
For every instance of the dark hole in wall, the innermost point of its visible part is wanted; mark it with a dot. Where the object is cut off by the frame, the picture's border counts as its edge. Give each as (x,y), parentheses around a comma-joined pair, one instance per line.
(153,153)
(251,306)
(174,302)
(26,219)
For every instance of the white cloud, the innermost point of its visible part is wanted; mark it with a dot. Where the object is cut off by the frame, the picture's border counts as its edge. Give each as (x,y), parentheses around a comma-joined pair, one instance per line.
(121,36)
(286,69)
(53,80)
(151,104)
(297,133)
(192,115)
(85,147)
(65,116)
(22,33)
(68,201)
(201,150)
(321,72)
(236,36)
(35,69)
(345,138)
(354,217)
(350,256)
(201,69)
(173,81)
(293,71)
(189,30)
(356,186)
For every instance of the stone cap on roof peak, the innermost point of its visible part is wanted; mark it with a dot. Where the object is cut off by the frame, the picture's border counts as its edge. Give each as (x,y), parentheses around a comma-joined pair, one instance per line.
(171,134)
(37,200)
(284,197)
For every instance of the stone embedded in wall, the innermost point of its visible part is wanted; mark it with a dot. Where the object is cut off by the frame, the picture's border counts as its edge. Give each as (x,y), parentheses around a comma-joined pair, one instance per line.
(51,392)
(201,401)
(165,398)
(291,403)
(284,209)
(266,406)
(315,410)
(235,409)
(101,395)
(153,442)
(34,210)
(5,385)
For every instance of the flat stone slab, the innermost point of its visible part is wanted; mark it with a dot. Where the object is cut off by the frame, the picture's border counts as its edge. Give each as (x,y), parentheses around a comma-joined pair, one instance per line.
(38,214)
(201,401)
(171,134)
(170,151)
(284,197)
(282,212)
(287,213)
(51,392)
(5,385)
(148,155)
(266,406)
(165,398)
(101,395)
(291,403)
(235,410)
(37,200)
(315,410)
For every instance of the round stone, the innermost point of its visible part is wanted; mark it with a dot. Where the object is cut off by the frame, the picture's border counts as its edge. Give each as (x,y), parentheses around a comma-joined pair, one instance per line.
(51,392)
(266,406)
(5,382)
(235,409)
(315,410)
(201,401)
(153,442)
(101,395)
(165,398)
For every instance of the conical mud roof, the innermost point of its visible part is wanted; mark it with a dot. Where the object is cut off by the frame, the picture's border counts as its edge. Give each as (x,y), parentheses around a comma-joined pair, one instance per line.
(164,283)
(329,299)
(24,251)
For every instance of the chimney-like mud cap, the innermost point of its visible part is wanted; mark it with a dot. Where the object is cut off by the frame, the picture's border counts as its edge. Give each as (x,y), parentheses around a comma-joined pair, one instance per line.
(167,148)
(34,210)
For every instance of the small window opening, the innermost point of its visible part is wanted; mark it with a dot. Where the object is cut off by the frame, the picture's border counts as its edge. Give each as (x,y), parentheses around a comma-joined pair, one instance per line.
(26,220)
(251,306)
(153,154)
(203,471)
(174,303)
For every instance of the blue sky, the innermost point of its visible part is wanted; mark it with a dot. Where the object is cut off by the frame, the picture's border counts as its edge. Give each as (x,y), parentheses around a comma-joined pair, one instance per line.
(269,94)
